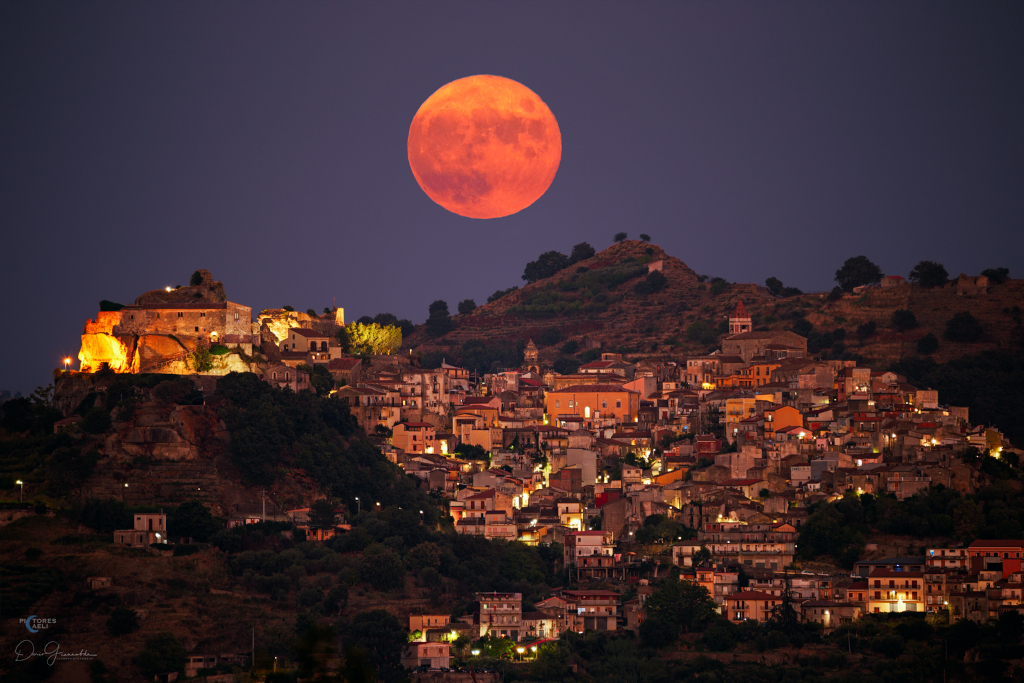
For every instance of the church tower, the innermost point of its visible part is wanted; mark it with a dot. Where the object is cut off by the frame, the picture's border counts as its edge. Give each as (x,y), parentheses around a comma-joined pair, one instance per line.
(739,321)
(530,357)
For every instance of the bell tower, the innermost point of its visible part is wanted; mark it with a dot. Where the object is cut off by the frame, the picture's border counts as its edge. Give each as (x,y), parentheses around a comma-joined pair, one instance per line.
(530,357)
(739,321)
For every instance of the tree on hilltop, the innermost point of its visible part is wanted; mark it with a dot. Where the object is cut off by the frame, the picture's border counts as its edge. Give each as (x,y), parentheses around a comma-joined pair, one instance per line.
(196,279)
(621,237)
(440,322)
(467,306)
(929,274)
(996,276)
(546,265)
(645,237)
(856,272)
(581,252)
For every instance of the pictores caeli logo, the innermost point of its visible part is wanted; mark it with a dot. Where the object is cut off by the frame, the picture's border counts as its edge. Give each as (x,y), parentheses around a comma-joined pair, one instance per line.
(35,624)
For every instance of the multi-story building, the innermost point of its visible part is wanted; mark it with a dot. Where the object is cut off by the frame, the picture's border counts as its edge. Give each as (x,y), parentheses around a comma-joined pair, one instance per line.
(590,553)
(749,605)
(896,591)
(947,558)
(501,614)
(414,437)
(148,528)
(591,610)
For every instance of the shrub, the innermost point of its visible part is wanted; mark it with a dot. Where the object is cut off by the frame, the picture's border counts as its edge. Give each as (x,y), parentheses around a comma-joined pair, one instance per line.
(891,646)
(196,279)
(384,571)
(467,306)
(718,285)
(996,276)
(903,320)
(163,652)
(122,621)
(866,330)
(570,347)
(702,333)
(110,306)
(719,637)
(96,421)
(550,336)
(565,366)
(964,327)
(928,344)
(803,327)
(308,596)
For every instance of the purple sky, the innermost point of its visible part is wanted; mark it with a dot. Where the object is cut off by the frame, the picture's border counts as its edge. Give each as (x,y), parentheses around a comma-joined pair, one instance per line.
(267,143)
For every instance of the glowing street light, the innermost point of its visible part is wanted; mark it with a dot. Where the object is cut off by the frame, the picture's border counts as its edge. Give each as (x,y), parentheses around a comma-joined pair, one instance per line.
(67,364)
(21,494)
(475,653)
(357,505)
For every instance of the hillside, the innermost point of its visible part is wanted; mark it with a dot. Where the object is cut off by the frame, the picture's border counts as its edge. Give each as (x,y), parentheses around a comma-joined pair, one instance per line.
(601,299)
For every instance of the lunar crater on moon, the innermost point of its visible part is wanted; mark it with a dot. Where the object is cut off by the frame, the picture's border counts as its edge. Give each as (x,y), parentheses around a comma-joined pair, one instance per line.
(484,147)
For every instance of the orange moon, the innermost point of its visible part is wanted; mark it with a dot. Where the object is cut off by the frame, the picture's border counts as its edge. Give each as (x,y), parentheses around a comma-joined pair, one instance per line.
(484,147)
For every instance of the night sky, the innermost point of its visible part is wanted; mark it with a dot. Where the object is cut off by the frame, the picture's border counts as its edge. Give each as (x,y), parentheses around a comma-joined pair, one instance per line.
(266,142)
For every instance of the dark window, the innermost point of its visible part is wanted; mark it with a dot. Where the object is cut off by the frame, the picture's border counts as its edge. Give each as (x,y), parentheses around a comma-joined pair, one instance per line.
(180,314)
(197,329)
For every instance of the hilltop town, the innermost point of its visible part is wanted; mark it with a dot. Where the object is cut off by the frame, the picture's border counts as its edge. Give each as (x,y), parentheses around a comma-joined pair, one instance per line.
(734,467)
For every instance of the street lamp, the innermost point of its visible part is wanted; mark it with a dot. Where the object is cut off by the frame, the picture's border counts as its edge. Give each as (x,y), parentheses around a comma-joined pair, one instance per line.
(357,505)
(21,494)
(67,364)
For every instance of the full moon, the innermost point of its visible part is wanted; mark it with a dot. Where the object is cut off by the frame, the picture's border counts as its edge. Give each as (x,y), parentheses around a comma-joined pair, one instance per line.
(484,147)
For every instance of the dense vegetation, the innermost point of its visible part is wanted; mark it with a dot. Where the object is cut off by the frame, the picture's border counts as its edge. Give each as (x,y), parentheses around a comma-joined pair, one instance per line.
(991,384)
(840,529)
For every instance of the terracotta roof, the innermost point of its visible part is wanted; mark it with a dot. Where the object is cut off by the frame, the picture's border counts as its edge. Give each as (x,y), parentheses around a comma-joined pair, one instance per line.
(342,363)
(594,389)
(308,333)
(751,595)
(740,312)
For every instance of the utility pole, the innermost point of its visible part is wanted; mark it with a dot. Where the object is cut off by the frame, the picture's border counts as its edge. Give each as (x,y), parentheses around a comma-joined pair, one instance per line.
(263,518)
(254,647)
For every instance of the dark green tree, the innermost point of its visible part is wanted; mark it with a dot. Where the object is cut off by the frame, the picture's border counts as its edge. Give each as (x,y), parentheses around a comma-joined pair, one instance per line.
(774,286)
(929,274)
(996,276)
(581,252)
(193,520)
(379,634)
(196,279)
(866,330)
(679,605)
(858,271)
(440,322)
(122,621)
(964,327)
(546,265)
(903,320)
(928,344)
(467,306)
(384,571)
(321,514)
(645,237)
(621,237)
(163,653)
